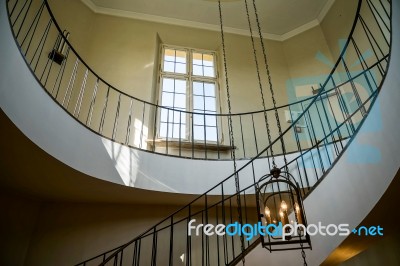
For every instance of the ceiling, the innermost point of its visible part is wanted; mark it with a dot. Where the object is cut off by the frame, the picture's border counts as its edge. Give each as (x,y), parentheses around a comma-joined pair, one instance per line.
(277,17)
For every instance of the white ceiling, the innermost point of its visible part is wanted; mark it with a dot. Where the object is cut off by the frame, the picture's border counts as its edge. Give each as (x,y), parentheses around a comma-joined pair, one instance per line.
(277,17)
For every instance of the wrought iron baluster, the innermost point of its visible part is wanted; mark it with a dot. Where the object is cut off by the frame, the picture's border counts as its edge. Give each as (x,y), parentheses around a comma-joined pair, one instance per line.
(78,105)
(92,103)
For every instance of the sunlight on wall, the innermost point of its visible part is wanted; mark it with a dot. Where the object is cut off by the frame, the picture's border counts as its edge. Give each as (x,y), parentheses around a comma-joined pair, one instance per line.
(126,161)
(141,134)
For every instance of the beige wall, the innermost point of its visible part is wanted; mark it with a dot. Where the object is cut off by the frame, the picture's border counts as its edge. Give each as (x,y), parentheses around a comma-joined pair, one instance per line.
(17,224)
(384,252)
(80,24)
(62,233)
(68,233)
(337,23)
(124,52)
(301,51)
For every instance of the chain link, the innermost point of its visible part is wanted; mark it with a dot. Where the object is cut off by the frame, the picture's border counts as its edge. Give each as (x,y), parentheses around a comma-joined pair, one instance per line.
(231,137)
(270,85)
(303,254)
(260,85)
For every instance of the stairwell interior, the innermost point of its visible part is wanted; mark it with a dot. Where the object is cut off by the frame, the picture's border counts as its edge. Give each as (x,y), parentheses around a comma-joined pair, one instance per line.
(88,179)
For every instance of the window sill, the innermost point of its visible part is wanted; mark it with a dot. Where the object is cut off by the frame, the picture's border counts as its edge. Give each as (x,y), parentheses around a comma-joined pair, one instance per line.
(187,145)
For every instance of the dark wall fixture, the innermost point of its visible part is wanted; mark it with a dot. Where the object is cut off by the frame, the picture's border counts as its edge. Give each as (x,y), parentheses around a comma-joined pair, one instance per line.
(57,54)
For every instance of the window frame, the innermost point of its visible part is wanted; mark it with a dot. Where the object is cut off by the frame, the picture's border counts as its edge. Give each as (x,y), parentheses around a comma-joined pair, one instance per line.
(190,78)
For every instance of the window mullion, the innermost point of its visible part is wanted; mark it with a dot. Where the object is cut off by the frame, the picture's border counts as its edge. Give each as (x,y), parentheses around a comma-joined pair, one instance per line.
(190,95)
(188,109)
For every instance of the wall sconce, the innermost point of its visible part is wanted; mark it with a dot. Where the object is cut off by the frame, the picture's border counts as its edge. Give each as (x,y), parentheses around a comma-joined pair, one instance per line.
(58,53)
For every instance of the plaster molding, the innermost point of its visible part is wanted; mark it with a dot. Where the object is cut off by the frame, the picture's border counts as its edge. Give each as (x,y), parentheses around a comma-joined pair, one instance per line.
(206,26)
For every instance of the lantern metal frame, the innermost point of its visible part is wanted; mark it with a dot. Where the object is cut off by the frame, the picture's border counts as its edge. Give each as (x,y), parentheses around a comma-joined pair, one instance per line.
(299,240)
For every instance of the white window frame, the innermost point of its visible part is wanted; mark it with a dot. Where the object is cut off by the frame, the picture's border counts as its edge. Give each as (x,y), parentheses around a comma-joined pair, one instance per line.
(190,78)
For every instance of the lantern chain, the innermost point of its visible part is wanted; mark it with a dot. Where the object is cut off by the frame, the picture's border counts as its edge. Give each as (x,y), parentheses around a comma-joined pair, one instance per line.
(270,85)
(303,254)
(260,85)
(232,140)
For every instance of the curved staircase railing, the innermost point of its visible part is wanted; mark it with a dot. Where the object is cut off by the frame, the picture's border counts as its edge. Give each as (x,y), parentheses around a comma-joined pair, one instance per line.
(125,119)
(324,127)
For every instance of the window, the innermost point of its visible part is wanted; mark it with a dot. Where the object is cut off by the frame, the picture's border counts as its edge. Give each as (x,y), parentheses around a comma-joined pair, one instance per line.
(188,82)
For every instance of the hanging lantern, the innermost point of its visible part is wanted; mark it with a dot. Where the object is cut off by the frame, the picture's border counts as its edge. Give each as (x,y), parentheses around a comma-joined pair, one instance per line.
(281,211)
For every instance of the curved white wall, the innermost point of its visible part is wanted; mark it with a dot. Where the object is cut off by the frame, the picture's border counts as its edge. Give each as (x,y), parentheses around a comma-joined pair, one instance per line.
(351,189)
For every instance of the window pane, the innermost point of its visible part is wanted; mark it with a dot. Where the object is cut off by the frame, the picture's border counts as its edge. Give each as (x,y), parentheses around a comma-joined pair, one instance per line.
(210,103)
(168,66)
(197,70)
(174,87)
(208,60)
(164,115)
(198,58)
(198,120)
(180,68)
(198,88)
(168,85)
(163,130)
(211,133)
(173,117)
(180,101)
(174,61)
(169,116)
(198,102)
(209,71)
(211,120)
(173,131)
(209,89)
(167,99)
(180,56)
(198,132)
(182,118)
(183,131)
(169,55)
(203,65)
(180,86)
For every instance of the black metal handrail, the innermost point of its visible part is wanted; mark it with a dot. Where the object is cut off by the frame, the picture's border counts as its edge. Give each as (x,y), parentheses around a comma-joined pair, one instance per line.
(112,113)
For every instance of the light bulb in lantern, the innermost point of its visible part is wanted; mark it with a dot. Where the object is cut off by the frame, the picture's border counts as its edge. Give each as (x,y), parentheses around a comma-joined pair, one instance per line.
(284,218)
(284,215)
(267,215)
(283,205)
(298,213)
(267,211)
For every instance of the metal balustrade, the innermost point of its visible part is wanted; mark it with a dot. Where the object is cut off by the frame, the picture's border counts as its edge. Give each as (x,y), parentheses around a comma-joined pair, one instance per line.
(125,119)
(324,126)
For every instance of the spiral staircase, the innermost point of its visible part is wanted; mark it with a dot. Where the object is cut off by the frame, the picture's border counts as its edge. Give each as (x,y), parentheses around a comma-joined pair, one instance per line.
(70,112)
